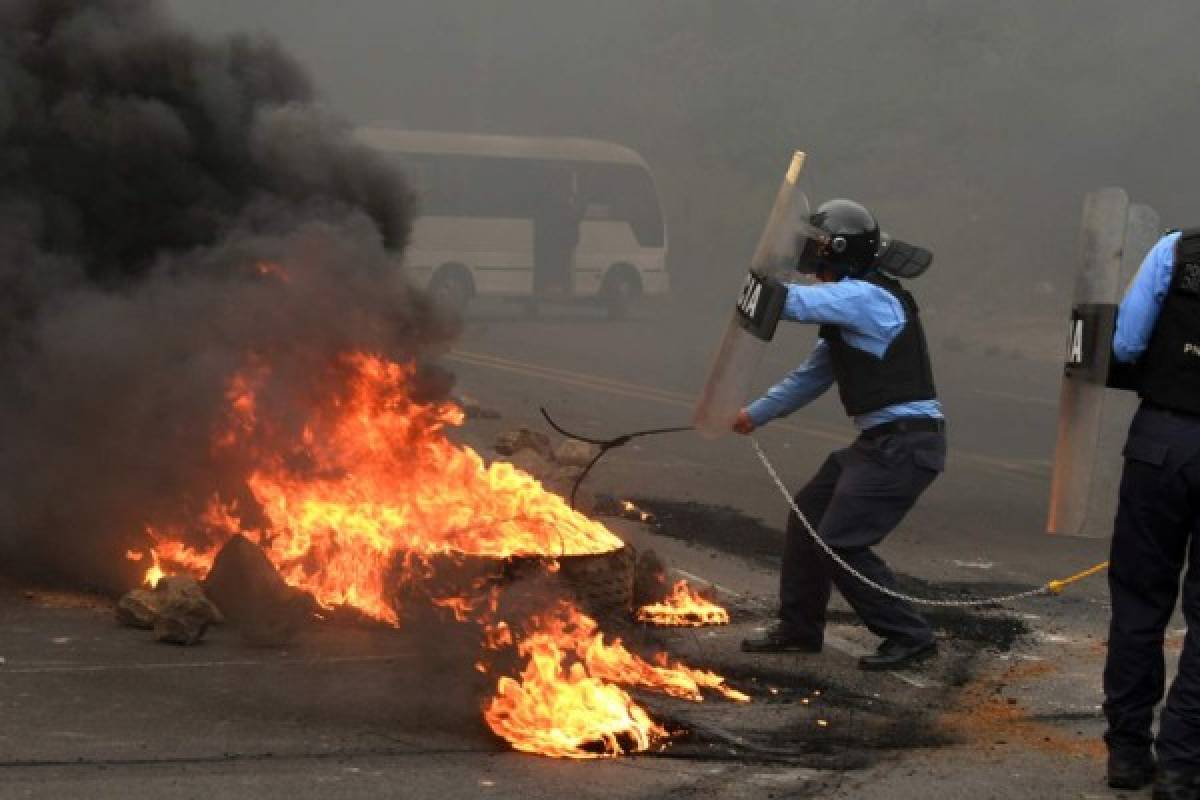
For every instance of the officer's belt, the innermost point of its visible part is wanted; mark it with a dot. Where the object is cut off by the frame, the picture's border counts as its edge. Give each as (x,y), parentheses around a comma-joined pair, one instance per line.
(905,425)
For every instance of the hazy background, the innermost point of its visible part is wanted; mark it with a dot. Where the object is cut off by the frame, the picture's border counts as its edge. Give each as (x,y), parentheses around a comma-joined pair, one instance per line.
(970,126)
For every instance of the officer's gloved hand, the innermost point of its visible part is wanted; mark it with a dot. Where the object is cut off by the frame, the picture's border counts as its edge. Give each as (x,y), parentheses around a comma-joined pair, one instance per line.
(743,424)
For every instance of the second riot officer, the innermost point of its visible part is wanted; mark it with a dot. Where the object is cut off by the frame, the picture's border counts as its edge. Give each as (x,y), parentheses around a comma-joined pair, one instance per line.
(871,344)
(1156,532)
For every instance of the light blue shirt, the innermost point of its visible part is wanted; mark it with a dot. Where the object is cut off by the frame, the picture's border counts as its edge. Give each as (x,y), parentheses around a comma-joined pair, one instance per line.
(1143,300)
(870,318)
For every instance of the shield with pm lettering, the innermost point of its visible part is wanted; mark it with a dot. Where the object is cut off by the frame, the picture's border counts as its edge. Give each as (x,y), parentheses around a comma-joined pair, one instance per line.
(1092,419)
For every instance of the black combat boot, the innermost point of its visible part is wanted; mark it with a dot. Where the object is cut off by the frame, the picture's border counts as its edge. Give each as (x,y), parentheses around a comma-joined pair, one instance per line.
(1130,770)
(898,655)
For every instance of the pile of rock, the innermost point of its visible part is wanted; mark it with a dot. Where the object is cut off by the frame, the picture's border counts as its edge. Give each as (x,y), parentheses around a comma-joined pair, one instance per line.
(555,466)
(176,609)
(243,588)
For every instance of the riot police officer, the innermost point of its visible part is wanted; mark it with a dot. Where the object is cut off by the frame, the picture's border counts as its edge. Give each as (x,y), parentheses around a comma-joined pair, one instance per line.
(1155,534)
(872,345)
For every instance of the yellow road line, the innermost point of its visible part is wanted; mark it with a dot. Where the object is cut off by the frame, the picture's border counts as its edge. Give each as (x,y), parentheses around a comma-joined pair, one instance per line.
(653,394)
(620,388)
(482,359)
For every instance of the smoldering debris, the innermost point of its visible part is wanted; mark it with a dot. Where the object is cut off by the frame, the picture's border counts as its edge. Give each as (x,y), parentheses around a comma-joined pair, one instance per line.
(649,579)
(171,210)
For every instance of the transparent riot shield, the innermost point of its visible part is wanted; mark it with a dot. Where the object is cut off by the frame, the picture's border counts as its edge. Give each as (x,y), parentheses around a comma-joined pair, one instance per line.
(1142,230)
(1114,237)
(728,386)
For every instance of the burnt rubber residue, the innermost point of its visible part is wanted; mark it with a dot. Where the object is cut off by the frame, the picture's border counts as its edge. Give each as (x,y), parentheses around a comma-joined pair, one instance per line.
(729,530)
(722,528)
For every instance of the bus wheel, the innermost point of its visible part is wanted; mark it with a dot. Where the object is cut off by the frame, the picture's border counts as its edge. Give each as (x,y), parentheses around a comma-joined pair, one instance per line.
(620,289)
(451,289)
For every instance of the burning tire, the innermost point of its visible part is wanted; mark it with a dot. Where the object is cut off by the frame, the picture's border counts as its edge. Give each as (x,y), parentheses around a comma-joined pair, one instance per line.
(602,583)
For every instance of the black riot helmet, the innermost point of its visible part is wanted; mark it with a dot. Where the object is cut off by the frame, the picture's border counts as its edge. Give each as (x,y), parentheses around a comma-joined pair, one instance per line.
(843,239)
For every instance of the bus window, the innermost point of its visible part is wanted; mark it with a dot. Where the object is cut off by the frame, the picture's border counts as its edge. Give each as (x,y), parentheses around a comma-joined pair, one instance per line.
(473,186)
(622,192)
(520,188)
(503,187)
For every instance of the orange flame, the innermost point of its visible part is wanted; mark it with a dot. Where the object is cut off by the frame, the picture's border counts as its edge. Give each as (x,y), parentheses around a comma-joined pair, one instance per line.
(373,494)
(683,608)
(384,483)
(567,702)
(560,710)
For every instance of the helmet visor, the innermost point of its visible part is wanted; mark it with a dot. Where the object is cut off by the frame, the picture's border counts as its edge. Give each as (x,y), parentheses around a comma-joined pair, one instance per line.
(793,242)
(818,248)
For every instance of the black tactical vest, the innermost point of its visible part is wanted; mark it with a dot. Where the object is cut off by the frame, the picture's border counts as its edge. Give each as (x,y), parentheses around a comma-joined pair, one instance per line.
(1170,367)
(903,375)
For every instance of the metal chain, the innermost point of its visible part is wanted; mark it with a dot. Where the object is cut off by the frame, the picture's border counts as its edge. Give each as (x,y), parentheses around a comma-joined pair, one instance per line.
(967,603)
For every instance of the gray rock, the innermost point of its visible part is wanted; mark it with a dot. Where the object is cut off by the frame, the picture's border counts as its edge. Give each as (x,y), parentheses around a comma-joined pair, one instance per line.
(245,586)
(185,613)
(512,442)
(139,609)
(574,453)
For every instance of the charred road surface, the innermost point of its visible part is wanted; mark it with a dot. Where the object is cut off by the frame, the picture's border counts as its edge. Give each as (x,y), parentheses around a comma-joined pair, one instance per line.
(1009,709)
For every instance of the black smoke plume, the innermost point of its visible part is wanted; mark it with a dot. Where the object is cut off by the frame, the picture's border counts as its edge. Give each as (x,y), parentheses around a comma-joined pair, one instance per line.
(170,210)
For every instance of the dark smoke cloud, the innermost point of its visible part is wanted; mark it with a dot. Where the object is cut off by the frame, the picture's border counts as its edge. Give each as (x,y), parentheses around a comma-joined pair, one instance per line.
(144,176)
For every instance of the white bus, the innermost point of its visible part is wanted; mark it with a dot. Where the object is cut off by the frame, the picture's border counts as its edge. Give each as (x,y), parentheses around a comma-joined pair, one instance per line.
(538,219)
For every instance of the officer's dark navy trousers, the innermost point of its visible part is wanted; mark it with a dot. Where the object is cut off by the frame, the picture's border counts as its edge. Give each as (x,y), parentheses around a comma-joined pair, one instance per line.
(1154,537)
(858,496)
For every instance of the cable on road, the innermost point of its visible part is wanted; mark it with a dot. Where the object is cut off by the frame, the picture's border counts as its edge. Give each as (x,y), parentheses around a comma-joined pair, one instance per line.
(606,445)
(1050,587)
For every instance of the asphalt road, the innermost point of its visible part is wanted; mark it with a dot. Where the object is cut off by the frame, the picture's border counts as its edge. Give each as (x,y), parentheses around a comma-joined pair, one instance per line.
(1009,710)
(607,378)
